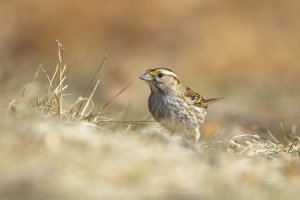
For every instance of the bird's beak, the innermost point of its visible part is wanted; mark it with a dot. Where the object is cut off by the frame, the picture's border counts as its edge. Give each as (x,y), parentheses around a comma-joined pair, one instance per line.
(146,77)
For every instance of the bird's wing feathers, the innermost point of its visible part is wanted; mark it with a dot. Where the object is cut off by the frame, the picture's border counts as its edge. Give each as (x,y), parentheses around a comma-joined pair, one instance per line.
(194,98)
(197,100)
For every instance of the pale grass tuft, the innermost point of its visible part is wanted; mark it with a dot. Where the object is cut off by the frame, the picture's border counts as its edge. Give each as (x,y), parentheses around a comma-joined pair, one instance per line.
(253,145)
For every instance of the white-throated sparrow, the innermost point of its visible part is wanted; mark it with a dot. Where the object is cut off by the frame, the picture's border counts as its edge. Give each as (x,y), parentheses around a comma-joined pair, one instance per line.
(174,106)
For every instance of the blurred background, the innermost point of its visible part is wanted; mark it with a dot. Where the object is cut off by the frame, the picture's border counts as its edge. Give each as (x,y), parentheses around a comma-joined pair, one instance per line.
(246,51)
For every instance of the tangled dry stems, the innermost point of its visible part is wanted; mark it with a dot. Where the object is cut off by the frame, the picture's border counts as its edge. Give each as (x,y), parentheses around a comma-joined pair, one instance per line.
(50,102)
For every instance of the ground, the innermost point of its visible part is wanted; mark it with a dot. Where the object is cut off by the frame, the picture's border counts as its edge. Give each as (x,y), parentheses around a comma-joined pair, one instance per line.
(48,152)
(75,123)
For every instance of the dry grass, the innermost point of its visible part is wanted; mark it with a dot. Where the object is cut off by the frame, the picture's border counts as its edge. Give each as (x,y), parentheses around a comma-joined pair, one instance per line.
(51,100)
(53,149)
(254,145)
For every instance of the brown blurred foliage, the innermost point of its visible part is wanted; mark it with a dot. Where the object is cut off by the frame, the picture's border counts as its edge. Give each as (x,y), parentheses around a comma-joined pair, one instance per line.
(247,51)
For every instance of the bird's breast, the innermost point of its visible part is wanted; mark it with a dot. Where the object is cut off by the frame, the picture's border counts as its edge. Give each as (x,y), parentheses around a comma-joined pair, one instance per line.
(172,111)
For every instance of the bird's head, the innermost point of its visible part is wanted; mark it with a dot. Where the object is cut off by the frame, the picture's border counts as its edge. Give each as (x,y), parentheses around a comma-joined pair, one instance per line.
(161,80)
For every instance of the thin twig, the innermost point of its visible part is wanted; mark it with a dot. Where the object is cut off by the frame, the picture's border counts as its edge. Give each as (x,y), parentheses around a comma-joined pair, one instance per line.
(37,72)
(111,100)
(272,136)
(88,101)
(114,97)
(292,145)
(99,69)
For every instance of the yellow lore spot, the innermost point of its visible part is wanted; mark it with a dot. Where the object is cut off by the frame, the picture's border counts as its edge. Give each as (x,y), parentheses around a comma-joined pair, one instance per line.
(154,72)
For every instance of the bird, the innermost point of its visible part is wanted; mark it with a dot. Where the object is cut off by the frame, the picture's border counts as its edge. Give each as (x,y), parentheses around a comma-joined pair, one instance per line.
(176,107)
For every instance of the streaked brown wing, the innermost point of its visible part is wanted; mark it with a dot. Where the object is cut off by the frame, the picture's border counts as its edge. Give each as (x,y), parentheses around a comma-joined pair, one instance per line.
(195,98)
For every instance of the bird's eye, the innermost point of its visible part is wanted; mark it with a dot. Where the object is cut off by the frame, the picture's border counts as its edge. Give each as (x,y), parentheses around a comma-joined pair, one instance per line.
(160,75)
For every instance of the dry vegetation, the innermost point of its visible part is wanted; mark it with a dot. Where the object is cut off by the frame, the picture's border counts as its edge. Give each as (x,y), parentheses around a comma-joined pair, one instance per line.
(53,149)
(81,130)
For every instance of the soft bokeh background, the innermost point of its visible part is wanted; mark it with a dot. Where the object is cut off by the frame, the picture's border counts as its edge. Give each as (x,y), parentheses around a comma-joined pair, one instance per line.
(246,51)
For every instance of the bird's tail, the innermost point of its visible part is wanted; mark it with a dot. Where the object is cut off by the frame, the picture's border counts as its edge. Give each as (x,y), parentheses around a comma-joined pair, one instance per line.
(211,100)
